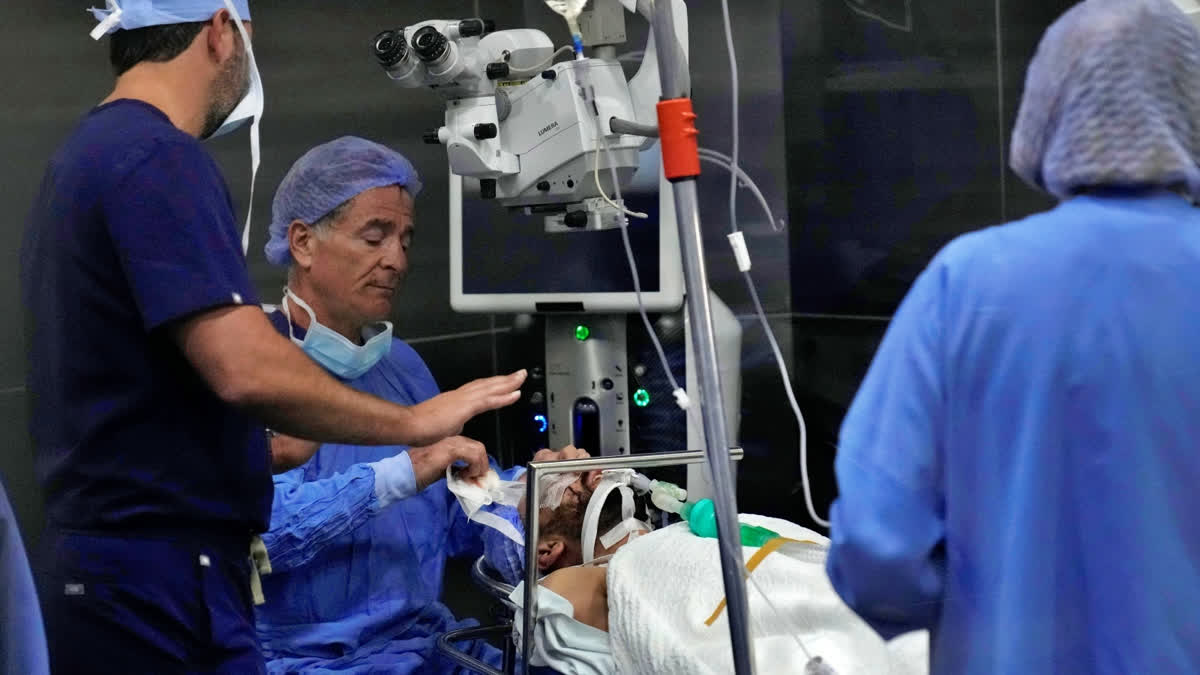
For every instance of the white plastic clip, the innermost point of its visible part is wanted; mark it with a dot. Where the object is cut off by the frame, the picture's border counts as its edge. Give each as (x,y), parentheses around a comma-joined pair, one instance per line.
(681,399)
(113,18)
(738,243)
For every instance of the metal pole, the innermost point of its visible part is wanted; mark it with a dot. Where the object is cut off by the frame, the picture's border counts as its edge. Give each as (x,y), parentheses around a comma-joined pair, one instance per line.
(712,407)
(532,509)
(642,460)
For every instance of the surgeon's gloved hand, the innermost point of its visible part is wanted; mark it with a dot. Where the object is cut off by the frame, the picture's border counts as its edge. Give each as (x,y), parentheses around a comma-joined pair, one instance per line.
(430,462)
(445,414)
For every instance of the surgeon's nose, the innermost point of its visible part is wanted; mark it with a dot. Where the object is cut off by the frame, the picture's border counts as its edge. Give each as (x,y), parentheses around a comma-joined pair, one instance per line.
(394,257)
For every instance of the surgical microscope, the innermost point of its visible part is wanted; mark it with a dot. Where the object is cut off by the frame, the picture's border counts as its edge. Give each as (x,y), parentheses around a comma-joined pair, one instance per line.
(541,139)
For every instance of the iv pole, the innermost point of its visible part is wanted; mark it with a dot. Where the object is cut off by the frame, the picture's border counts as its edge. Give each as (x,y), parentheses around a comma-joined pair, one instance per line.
(681,165)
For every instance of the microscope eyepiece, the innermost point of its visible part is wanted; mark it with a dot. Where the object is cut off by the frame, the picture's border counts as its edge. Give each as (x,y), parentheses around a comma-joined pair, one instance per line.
(429,44)
(390,47)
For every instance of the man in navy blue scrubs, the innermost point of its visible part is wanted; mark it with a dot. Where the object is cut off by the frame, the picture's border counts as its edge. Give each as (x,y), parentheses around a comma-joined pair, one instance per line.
(152,364)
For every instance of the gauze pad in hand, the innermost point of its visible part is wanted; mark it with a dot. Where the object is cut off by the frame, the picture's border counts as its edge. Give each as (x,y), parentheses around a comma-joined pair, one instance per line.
(473,495)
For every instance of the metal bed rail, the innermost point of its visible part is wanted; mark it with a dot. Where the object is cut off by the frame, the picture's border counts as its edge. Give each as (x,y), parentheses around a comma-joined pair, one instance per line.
(501,591)
(535,472)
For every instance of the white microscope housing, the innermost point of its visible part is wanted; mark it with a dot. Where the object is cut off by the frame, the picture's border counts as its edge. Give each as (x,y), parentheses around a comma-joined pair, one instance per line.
(527,128)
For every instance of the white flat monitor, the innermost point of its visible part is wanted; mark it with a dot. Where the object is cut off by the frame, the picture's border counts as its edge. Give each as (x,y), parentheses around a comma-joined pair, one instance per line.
(504,261)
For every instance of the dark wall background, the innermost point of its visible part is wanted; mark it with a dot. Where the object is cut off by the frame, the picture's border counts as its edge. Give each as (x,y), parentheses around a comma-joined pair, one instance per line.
(879,139)
(899,114)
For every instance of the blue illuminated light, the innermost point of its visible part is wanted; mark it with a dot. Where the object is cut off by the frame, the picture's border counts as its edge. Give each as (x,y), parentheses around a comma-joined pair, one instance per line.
(543,424)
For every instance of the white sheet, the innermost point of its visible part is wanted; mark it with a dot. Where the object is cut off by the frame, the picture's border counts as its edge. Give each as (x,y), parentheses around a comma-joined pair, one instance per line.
(663,586)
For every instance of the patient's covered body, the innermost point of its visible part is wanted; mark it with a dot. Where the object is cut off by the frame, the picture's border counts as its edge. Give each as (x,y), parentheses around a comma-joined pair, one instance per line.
(661,588)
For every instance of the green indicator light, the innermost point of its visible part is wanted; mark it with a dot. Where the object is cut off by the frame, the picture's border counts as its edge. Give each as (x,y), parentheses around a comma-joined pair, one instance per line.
(641,398)
(582,332)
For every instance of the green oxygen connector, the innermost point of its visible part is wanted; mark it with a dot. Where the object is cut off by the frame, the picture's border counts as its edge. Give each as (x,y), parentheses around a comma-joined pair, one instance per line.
(701,518)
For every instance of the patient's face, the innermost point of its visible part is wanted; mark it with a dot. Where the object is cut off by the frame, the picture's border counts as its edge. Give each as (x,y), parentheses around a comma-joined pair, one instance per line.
(561,529)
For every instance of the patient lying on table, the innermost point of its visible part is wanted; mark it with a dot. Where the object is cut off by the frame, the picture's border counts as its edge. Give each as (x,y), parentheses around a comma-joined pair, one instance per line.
(654,607)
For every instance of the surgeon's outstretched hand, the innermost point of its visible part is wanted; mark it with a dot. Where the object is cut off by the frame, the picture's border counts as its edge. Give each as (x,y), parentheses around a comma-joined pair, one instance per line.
(429,463)
(445,414)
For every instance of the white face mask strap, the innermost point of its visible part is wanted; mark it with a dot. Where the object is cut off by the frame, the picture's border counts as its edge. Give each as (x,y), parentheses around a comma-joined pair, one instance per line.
(591,518)
(254,160)
(489,519)
(618,532)
(109,22)
(630,527)
(289,296)
(256,82)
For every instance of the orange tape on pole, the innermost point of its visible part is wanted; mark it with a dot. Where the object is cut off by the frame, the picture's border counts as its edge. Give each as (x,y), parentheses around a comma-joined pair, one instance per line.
(680,139)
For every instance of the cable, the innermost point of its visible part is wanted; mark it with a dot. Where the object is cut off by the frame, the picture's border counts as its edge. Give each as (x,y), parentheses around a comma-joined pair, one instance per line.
(787,384)
(787,380)
(602,142)
(596,175)
(713,157)
(534,70)
(734,172)
(733,84)
(770,605)
(906,27)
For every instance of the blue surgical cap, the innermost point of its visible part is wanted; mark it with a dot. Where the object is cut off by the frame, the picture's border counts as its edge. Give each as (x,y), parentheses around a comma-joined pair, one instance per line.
(143,13)
(1112,98)
(328,176)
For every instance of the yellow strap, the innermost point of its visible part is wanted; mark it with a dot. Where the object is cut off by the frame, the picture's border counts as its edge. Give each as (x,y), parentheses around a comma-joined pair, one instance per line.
(767,549)
(260,563)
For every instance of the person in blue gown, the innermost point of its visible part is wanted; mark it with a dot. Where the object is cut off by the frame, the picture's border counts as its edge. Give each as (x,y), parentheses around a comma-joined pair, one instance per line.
(1018,471)
(359,536)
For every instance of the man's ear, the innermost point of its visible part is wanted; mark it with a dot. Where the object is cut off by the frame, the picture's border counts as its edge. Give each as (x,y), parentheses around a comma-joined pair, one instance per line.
(301,240)
(549,550)
(220,36)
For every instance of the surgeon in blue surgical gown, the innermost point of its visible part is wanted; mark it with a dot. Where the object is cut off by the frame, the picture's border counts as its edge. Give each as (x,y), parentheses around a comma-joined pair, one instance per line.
(359,536)
(1019,470)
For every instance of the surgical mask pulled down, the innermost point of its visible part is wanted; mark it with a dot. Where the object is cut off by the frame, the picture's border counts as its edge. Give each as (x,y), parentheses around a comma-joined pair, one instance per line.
(332,350)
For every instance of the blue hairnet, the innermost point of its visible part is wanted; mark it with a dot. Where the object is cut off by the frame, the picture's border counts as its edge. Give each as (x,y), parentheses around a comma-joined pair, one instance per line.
(142,13)
(328,176)
(1112,98)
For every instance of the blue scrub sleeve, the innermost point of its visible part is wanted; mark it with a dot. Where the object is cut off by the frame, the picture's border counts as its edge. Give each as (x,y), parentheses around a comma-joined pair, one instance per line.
(172,221)
(307,516)
(394,479)
(887,556)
